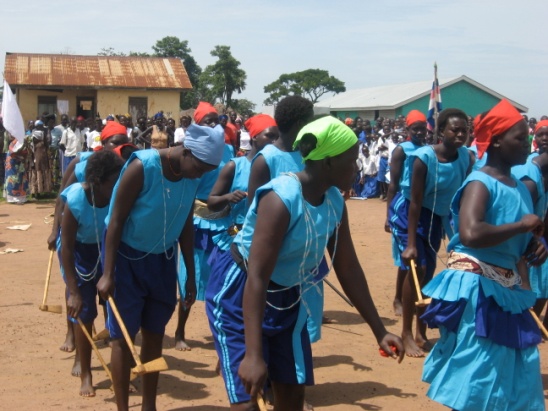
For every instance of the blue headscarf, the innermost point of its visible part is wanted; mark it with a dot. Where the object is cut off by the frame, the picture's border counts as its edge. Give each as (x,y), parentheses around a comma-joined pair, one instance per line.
(207,144)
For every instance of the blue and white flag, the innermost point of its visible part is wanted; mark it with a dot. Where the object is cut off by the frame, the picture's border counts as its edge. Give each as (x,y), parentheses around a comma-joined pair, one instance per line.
(434,107)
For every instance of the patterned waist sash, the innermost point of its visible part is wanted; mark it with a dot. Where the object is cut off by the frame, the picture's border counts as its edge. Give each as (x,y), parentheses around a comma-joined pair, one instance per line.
(465,262)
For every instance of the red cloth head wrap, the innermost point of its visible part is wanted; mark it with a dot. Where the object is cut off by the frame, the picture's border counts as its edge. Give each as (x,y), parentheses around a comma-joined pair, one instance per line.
(413,116)
(112,128)
(348,121)
(118,150)
(540,124)
(257,124)
(499,119)
(203,110)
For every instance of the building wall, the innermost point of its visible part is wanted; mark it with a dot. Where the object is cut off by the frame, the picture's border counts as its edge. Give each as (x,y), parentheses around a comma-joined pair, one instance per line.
(463,95)
(106,101)
(117,101)
(364,114)
(28,100)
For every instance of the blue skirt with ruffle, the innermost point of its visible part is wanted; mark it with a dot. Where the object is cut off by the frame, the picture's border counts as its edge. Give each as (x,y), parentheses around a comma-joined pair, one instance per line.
(487,356)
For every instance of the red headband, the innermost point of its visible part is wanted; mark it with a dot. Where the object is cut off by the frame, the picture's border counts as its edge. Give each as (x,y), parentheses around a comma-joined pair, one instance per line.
(257,124)
(540,124)
(499,119)
(231,134)
(203,110)
(112,128)
(413,116)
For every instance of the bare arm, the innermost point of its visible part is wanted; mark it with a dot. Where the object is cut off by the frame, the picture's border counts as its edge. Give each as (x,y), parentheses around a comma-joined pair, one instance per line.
(68,239)
(353,281)
(475,232)
(129,187)
(186,243)
(220,195)
(418,182)
(259,176)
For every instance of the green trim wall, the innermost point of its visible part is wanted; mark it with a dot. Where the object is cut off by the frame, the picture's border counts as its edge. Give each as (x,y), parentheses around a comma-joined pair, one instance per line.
(463,95)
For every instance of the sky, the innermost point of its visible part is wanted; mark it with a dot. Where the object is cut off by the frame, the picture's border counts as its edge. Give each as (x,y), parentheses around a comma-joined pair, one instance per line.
(501,44)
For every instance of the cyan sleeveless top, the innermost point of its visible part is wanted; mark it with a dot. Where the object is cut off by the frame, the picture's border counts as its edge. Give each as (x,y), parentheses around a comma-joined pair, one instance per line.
(309,230)
(506,205)
(442,179)
(240,182)
(279,161)
(207,181)
(80,168)
(532,171)
(405,180)
(479,162)
(159,213)
(91,223)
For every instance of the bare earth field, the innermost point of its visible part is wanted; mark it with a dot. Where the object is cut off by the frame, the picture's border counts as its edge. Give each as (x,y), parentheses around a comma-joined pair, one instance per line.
(350,374)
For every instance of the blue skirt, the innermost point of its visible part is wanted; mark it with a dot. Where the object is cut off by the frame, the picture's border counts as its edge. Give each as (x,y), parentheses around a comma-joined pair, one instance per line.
(487,356)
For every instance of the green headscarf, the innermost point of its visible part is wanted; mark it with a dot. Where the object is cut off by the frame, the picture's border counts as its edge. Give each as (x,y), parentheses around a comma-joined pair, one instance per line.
(333,138)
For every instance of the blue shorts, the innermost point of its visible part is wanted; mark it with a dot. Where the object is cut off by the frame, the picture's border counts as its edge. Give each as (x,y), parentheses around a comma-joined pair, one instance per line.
(86,261)
(383,169)
(428,238)
(145,293)
(286,350)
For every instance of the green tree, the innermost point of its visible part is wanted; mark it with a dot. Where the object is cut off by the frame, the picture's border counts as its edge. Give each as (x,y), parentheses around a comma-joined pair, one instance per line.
(224,78)
(109,51)
(172,46)
(311,83)
(243,106)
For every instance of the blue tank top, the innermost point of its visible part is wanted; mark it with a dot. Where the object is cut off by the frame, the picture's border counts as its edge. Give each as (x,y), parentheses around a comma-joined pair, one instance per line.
(279,161)
(310,228)
(405,179)
(532,171)
(90,224)
(240,182)
(479,162)
(506,205)
(442,179)
(162,206)
(80,168)
(207,181)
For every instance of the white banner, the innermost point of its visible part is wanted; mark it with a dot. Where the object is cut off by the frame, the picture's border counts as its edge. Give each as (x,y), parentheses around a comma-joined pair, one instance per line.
(11,115)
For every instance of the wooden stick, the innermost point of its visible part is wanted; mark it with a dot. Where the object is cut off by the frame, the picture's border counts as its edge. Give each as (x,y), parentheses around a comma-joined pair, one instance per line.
(57,309)
(159,364)
(101,335)
(344,297)
(421,302)
(539,323)
(261,403)
(103,363)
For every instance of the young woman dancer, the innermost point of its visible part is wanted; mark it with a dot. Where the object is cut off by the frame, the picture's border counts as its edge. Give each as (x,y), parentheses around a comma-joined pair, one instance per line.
(86,206)
(487,357)
(151,209)
(420,215)
(257,297)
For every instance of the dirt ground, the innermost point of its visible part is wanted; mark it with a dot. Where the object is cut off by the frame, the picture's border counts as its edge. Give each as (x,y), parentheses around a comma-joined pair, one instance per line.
(350,374)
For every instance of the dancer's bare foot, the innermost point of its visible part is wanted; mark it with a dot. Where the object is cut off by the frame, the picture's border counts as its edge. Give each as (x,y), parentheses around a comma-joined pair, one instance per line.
(411,347)
(398,310)
(76,368)
(86,389)
(68,345)
(424,344)
(181,345)
(307,406)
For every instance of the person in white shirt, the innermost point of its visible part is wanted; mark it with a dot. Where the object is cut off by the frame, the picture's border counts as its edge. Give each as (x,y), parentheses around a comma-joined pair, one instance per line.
(368,174)
(72,141)
(180,131)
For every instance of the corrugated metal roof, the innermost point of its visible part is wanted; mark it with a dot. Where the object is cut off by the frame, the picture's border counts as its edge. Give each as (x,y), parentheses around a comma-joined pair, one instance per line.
(63,70)
(394,96)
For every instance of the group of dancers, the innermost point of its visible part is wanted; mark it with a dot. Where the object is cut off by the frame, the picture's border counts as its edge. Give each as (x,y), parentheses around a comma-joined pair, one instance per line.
(248,235)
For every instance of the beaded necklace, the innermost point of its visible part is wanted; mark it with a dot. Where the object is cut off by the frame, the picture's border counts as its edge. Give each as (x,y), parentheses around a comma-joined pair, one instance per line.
(91,275)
